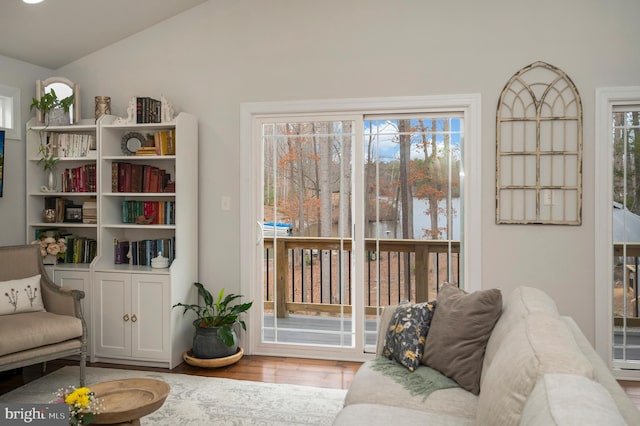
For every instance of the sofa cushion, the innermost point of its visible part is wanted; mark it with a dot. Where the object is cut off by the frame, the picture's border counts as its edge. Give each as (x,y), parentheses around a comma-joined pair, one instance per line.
(518,304)
(567,399)
(406,333)
(537,345)
(21,295)
(398,388)
(383,415)
(459,331)
(33,329)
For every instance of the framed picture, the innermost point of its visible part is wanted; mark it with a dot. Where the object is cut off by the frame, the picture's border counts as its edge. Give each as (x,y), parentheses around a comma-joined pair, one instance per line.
(1,160)
(73,213)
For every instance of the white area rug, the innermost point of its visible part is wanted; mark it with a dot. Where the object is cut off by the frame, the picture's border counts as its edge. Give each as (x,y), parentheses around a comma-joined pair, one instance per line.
(196,400)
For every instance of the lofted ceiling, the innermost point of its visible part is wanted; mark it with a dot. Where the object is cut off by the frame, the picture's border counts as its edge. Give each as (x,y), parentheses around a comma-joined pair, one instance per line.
(56,32)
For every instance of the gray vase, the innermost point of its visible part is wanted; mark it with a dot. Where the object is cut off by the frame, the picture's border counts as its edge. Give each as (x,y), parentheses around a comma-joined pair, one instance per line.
(57,117)
(207,344)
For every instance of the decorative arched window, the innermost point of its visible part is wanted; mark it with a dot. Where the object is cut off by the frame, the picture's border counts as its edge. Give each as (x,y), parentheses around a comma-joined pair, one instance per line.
(539,148)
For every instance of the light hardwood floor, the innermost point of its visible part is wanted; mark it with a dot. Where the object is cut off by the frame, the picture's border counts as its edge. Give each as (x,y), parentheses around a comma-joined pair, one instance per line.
(309,372)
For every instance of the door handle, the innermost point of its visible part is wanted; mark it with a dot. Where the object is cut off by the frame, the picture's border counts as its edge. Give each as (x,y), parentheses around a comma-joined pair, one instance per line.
(260,233)
(134,318)
(125,318)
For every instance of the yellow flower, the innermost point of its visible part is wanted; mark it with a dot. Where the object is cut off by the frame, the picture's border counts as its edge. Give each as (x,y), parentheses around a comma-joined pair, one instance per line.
(79,397)
(399,328)
(410,355)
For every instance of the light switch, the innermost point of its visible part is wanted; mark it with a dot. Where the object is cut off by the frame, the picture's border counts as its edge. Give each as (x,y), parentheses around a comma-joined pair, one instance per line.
(225,203)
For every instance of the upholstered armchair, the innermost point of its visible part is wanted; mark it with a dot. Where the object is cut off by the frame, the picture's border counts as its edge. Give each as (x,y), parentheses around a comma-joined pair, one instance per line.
(39,321)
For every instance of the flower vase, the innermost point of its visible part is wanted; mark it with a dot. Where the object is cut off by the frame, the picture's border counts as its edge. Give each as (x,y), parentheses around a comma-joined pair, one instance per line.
(50,259)
(51,180)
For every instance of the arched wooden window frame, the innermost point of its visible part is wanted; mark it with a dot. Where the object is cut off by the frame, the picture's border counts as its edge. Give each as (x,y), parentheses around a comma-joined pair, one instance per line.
(539,149)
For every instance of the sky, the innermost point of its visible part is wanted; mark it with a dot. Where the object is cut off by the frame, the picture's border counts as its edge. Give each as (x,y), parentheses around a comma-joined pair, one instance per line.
(386,132)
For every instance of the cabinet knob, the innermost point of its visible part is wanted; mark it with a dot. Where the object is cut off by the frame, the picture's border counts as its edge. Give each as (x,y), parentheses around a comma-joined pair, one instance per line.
(125,317)
(134,318)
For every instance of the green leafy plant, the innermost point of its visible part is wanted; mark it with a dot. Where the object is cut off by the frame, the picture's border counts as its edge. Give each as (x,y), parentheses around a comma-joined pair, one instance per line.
(48,160)
(50,101)
(219,313)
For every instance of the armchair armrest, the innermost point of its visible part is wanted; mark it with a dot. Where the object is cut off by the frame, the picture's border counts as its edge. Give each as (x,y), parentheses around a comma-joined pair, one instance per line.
(59,300)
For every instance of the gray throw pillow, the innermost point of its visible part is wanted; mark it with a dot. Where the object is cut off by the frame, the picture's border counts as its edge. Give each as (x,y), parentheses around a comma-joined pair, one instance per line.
(459,332)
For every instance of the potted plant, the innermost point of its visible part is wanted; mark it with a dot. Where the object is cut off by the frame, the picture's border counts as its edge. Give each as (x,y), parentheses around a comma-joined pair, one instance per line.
(217,323)
(48,161)
(55,112)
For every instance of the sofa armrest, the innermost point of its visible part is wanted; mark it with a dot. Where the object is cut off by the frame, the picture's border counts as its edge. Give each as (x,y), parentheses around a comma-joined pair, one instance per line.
(387,313)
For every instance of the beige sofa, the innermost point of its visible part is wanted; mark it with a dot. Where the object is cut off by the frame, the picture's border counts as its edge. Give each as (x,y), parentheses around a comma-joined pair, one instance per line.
(39,321)
(538,369)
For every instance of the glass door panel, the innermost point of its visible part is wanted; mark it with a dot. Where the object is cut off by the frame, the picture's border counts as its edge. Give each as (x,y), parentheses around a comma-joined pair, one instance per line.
(626,237)
(307,223)
(412,201)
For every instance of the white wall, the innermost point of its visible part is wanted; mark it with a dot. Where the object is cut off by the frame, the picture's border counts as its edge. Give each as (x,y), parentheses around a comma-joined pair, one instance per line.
(213,57)
(13,202)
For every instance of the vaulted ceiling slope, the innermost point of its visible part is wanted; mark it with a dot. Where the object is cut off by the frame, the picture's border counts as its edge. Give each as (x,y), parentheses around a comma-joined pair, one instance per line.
(56,32)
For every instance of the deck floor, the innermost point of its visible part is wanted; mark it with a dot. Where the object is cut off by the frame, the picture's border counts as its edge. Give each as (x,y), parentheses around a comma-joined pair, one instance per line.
(315,330)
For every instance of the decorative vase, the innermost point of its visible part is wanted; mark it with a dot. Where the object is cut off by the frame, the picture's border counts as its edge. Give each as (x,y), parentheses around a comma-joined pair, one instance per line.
(51,180)
(50,259)
(103,106)
(49,215)
(207,345)
(57,117)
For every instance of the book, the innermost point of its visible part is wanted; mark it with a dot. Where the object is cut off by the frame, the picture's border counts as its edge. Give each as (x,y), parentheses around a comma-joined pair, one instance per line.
(121,250)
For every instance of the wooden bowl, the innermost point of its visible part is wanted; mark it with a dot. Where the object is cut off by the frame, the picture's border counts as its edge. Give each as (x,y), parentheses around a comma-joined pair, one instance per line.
(212,362)
(129,399)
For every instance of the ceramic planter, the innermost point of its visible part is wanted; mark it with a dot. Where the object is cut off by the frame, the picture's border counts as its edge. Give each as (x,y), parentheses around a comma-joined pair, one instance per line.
(207,345)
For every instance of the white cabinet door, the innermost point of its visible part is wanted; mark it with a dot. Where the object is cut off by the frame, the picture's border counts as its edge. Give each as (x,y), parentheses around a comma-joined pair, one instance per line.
(112,308)
(150,316)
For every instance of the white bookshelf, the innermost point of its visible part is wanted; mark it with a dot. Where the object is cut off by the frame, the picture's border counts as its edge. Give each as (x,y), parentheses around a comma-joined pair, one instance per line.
(132,303)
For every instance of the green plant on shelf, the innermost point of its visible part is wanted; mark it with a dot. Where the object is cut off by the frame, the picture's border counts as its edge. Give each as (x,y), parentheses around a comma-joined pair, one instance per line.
(47,159)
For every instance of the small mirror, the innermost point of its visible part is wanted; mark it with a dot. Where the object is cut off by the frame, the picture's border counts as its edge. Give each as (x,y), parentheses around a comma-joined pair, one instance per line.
(63,88)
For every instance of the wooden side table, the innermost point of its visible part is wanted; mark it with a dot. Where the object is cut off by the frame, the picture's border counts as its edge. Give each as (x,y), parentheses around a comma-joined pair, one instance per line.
(126,400)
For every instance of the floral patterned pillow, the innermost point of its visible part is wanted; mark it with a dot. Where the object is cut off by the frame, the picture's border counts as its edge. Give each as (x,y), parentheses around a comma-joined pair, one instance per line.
(407,333)
(23,295)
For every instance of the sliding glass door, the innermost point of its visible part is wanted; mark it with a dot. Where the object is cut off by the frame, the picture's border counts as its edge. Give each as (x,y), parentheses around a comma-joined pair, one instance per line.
(353,211)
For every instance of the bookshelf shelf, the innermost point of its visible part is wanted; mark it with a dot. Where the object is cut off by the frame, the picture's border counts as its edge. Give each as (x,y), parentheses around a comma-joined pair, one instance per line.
(140,194)
(133,226)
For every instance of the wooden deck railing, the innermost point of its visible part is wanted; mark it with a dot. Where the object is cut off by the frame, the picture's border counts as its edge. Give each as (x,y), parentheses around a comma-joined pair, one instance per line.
(631,264)
(397,270)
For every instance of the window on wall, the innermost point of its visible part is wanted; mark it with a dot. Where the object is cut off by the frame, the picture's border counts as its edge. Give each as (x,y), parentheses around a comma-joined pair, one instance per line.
(10,111)
(617,235)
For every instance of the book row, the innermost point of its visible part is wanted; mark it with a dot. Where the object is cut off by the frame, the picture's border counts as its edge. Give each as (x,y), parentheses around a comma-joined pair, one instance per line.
(129,177)
(149,212)
(141,252)
(79,179)
(148,110)
(80,249)
(72,145)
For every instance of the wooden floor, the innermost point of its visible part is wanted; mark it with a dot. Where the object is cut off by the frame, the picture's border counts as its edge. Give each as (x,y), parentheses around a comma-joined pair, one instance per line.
(309,372)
